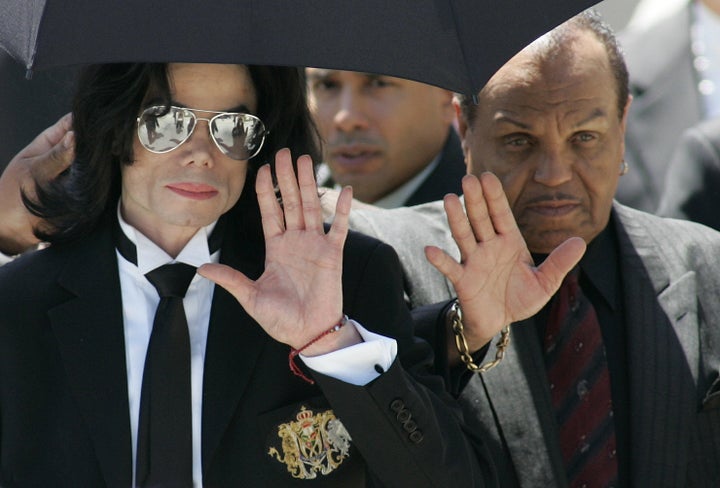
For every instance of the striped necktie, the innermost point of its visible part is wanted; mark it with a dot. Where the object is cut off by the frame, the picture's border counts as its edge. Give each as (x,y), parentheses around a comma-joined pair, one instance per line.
(579,382)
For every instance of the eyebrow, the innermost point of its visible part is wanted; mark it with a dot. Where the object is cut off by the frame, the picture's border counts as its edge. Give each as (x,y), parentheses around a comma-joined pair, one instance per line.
(238,108)
(596,114)
(319,73)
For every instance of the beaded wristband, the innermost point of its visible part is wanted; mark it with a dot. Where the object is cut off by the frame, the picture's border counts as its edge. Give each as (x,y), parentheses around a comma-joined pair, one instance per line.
(295,352)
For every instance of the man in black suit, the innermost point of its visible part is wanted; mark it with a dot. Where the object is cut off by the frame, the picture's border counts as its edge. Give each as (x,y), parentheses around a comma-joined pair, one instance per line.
(391,139)
(353,409)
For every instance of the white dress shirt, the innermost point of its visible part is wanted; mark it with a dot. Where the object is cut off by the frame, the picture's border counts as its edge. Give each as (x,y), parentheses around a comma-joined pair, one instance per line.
(355,364)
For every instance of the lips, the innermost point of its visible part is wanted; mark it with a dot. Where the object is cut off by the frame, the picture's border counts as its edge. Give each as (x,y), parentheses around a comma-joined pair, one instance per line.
(353,156)
(554,208)
(195,191)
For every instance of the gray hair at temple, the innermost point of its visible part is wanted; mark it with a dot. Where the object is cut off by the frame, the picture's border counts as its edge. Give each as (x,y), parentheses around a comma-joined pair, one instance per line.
(550,45)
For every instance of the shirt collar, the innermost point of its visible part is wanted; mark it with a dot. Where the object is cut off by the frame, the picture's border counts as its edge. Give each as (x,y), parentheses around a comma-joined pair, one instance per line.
(151,256)
(599,265)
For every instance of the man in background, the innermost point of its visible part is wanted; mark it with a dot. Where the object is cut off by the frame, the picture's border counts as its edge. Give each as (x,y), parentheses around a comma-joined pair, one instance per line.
(391,139)
(674,71)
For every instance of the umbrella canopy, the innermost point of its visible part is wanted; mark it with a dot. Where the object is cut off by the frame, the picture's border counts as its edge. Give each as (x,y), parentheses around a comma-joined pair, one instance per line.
(455,44)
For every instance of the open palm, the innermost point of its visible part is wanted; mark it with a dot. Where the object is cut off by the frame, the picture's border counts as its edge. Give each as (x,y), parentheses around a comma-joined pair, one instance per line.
(496,280)
(299,294)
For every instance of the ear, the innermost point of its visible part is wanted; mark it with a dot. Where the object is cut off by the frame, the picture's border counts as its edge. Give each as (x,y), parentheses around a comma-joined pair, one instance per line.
(446,103)
(463,130)
(461,122)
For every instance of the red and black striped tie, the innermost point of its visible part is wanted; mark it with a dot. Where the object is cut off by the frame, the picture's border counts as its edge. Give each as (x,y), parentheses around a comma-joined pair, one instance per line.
(580,388)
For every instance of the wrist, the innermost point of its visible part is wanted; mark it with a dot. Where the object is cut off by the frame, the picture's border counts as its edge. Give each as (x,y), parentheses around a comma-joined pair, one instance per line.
(336,337)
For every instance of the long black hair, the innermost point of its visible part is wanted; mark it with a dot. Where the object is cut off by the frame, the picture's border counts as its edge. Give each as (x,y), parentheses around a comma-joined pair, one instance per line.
(109,98)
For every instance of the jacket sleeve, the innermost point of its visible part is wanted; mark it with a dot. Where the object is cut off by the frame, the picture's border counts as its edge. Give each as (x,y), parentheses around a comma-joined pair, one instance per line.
(405,424)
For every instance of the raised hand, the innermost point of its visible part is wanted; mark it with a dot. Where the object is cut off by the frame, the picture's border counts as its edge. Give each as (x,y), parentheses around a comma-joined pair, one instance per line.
(48,155)
(496,281)
(299,295)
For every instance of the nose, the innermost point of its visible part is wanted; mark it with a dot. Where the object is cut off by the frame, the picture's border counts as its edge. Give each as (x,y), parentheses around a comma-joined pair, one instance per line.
(554,167)
(201,144)
(350,113)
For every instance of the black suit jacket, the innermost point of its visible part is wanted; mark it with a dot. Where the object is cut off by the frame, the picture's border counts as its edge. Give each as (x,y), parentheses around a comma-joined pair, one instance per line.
(692,187)
(447,175)
(64,416)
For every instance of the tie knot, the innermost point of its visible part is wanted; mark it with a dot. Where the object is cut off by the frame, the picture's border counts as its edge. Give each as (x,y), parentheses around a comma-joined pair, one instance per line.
(171,280)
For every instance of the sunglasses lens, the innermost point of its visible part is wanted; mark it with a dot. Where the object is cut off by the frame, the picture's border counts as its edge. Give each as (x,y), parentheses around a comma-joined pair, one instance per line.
(161,130)
(240,136)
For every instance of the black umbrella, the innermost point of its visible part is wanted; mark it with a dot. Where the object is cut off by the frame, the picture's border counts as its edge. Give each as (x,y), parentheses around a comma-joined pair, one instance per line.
(456,44)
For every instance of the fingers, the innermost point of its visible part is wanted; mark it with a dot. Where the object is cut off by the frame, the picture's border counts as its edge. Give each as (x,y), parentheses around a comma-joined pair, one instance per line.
(48,166)
(270,211)
(338,231)
(292,204)
(236,283)
(312,212)
(477,209)
(498,207)
(560,261)
(442,261)
(459,226)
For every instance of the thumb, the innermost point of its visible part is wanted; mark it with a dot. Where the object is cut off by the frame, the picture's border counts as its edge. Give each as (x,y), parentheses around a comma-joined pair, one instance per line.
(236,283)
(560,261)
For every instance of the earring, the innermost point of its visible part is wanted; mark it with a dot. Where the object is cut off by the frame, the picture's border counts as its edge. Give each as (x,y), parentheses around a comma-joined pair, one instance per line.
(624,168)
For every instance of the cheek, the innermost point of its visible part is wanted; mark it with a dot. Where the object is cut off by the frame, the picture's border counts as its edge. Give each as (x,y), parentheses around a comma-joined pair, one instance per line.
(236,183)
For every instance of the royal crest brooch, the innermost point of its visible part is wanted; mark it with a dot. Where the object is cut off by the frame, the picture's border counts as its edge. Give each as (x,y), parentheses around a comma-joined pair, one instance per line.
(312,444)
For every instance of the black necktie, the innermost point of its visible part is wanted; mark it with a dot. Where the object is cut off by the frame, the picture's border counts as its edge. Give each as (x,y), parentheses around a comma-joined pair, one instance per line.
(164,454)
(164,445)
(580,388)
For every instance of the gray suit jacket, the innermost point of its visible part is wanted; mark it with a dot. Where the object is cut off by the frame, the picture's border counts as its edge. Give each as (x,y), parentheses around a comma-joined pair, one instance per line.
(671,288)
(666,101)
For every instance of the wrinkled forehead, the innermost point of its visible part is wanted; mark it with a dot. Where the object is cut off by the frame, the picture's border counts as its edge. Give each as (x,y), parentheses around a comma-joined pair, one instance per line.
(540,79)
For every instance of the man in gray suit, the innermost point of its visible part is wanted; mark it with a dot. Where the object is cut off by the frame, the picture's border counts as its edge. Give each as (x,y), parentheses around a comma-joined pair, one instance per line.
(675,81)
(550,125)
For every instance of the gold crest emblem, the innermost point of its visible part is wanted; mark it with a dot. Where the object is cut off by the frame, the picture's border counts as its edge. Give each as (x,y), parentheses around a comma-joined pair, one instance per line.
(312,444)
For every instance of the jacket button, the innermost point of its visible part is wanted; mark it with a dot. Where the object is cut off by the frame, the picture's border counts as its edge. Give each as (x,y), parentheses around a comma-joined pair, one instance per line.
(410,426)
(404,415)
(416,437)
(397,405)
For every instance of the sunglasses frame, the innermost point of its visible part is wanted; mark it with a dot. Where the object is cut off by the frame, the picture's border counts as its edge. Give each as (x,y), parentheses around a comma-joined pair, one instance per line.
(169,108)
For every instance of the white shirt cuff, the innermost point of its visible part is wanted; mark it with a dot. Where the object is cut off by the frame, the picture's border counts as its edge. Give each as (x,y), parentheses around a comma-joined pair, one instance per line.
(358,364)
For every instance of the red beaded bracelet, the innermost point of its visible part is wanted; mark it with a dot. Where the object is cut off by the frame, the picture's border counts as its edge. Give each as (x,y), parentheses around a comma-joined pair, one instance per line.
(294,352)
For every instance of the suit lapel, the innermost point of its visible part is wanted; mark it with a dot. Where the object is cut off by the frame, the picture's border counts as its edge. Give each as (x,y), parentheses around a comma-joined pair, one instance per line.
(89,331)
(234,343)
(662,333)
(520,400)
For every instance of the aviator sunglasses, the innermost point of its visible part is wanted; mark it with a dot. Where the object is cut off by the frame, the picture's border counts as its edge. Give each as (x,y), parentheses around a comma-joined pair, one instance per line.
(238,135)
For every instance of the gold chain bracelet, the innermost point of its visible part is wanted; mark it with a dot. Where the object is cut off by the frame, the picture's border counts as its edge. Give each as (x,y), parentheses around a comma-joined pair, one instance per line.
(455,315)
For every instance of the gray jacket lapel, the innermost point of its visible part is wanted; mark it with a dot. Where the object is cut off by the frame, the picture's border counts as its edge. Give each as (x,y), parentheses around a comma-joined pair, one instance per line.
(662,328)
